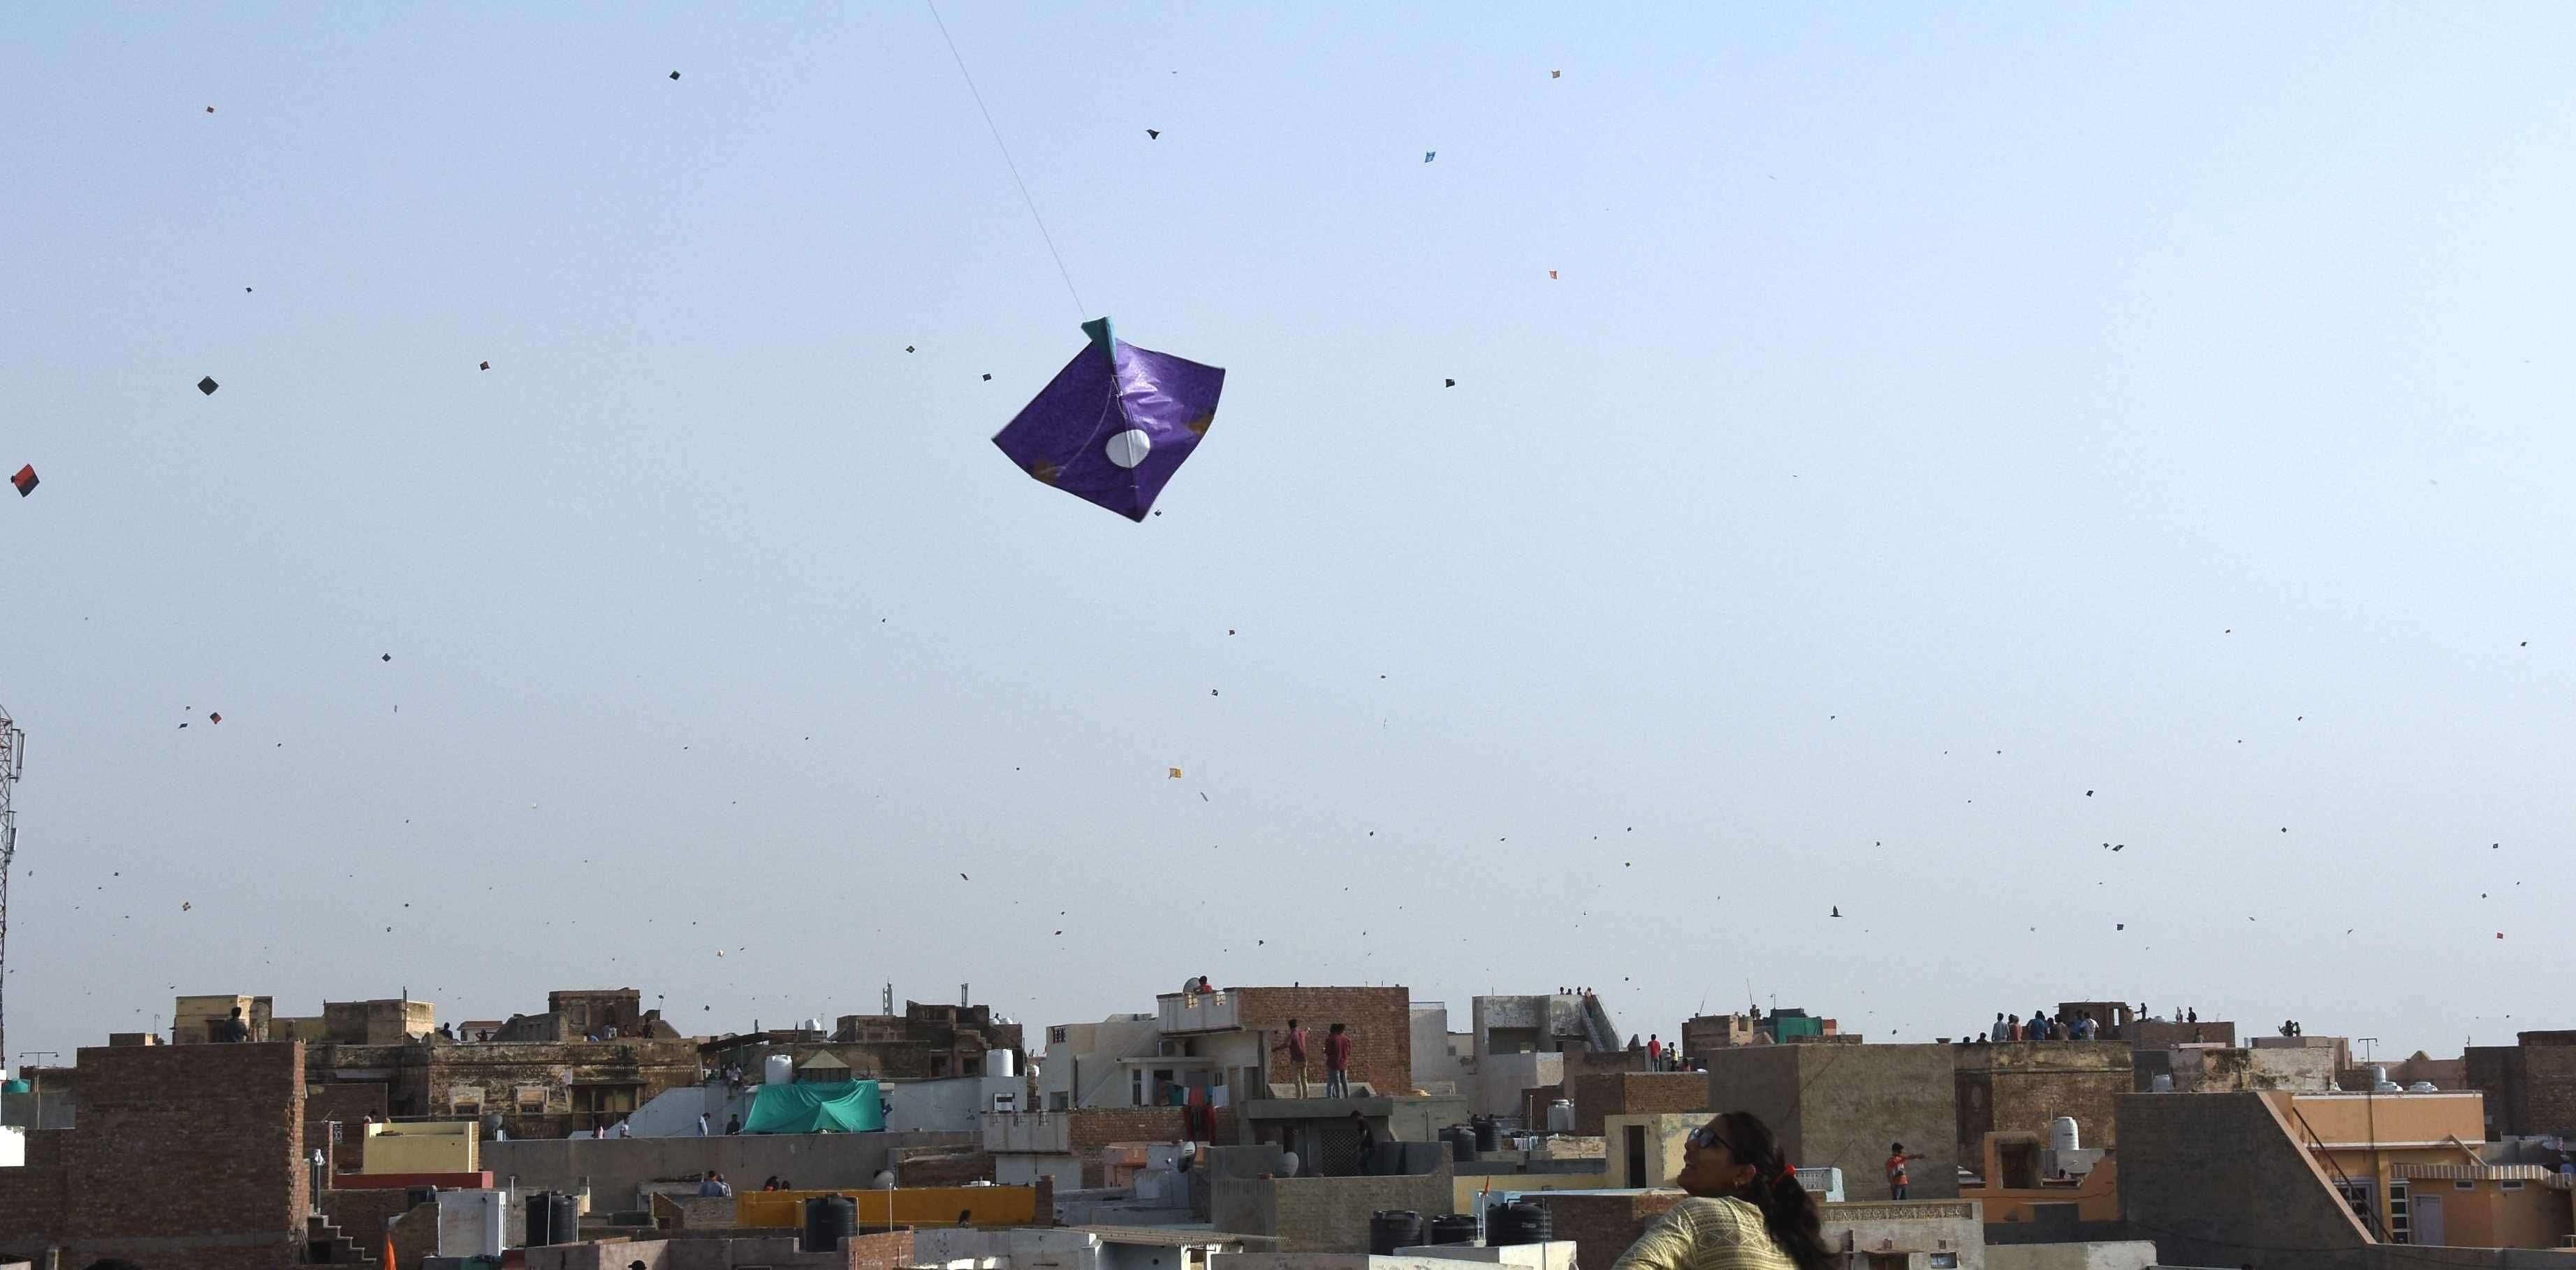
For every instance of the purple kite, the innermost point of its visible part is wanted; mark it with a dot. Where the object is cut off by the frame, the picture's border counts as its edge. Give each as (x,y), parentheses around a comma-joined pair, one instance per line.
(1115,423)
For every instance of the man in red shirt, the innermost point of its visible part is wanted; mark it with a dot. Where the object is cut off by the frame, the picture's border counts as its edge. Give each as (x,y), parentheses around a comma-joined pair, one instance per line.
(1654,1054)
(1295,1044)
(1337,1063)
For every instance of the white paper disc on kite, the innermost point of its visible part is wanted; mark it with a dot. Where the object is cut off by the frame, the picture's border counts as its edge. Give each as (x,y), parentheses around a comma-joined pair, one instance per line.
(1129,448)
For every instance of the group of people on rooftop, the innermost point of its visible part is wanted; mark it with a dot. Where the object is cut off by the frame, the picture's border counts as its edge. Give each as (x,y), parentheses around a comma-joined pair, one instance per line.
(1337,1057)
(2045,1027)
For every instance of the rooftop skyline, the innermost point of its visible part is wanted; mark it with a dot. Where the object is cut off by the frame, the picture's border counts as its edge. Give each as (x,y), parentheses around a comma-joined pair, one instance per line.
(1950,447)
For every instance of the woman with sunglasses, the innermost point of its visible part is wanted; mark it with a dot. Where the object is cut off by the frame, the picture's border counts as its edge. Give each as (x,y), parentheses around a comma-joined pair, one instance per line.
(1746,1210)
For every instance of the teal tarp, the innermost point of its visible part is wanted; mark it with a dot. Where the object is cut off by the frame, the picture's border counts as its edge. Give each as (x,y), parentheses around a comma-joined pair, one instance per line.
(845,1106)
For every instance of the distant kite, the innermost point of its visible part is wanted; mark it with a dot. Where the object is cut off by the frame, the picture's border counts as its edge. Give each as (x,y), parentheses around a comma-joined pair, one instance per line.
(1115,423)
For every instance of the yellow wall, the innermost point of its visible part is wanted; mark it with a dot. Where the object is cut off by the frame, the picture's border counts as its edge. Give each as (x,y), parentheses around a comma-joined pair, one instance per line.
(910,1206)
(2096,1198)
(445,1146)
(2397,1118)
(1468,1188)
(2489,1216)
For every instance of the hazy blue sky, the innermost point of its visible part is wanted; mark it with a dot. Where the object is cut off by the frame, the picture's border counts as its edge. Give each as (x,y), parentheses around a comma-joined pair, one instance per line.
(1923,400)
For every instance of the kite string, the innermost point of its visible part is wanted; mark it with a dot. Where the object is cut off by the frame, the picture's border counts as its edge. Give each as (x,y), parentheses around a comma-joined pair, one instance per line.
(998,144)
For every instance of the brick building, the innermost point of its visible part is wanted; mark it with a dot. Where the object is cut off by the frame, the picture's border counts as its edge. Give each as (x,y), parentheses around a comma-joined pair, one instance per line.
(1635,1094)
(1380,1021)
(183,1155)
(1219,1046)
(2530,1087)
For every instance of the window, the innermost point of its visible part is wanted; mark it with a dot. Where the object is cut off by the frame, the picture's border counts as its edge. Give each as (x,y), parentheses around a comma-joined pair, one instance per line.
(1059,1101)
(2464,1186)
(595,1099)
(532,1099)
(2511,1185)
(1136,1087)
(1055,1035)
(2400,1228)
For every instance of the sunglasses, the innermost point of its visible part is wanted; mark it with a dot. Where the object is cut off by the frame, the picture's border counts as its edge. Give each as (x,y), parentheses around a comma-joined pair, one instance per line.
(1707,1136)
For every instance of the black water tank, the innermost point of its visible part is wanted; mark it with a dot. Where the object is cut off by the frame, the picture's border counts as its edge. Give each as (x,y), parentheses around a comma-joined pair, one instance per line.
(548,1224)
(1485,1132)
(1462,1143)
(1393,1228)
(1453,1229)
(1520,1222)
(828,1220)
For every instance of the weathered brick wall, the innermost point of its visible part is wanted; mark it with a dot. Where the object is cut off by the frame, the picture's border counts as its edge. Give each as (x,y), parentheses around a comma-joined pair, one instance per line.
(2022,1087)
(1380,1020)
(2549,1076)
(1088,1130)
(889,1250)
(1092,1128)
(2496,1071)
(1602,1226)
(184,1155)
(1634,1093)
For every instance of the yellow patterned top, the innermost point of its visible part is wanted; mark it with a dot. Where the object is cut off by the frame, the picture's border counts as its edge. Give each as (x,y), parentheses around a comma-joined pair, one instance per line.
(1706,1234)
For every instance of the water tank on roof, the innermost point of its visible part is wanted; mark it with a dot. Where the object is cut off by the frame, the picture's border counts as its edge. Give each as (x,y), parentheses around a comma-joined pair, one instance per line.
(813,1025)
(1487,1133)
(553,1218)
(1519,1222)
(1453,1228)
(2423,1087)
(779,1070)
(829,1219)
(2062,1135)
(1560,1116)
(1390,1229)
(1002,1063)
(2162,1084)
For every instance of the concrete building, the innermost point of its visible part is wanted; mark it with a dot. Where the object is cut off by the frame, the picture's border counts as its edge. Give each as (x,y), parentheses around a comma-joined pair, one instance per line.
(2190,1069)
(1251,1194)
(1325,1136)
(2407,1072)
(2022,1087)
(1444,1062)
(925,1042)
(1784,1025)
(1548,1024)
(2329,1182)
(1840,1106)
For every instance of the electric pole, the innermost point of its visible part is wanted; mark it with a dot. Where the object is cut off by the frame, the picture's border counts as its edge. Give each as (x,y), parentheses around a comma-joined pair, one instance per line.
(13,761)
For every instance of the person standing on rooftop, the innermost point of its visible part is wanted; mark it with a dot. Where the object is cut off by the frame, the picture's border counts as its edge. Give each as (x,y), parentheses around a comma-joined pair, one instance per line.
(1295,1044)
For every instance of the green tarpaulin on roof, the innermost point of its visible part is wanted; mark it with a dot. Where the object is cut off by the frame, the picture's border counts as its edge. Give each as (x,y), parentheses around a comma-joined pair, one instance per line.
(841,1106)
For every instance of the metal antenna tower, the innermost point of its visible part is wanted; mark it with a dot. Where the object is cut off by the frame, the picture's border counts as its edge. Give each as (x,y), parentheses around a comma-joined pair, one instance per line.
(13,761)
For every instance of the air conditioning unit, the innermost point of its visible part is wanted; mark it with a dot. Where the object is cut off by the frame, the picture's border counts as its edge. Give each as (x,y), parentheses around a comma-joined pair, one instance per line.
(1168,1049)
